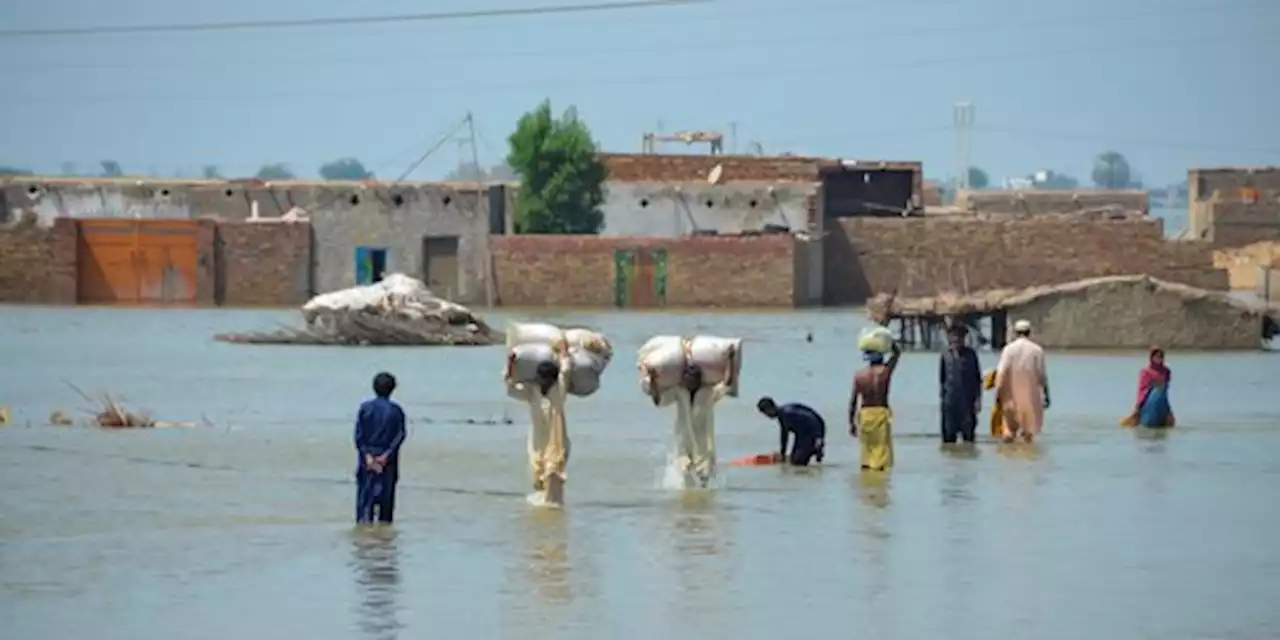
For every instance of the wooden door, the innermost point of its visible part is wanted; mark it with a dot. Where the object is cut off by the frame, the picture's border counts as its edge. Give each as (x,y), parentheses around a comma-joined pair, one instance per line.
(440,265)
(137,262)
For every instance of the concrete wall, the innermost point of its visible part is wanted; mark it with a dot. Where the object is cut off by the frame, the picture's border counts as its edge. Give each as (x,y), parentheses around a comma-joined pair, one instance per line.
(345,215)
(708,271)
(1228,182)
(672,210)
(1235,223)
(38,264)
(1115,316)
(263,263)
(928,256)
(1044,201)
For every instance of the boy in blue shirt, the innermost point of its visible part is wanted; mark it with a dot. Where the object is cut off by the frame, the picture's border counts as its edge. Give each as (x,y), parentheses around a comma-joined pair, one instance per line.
(380,430)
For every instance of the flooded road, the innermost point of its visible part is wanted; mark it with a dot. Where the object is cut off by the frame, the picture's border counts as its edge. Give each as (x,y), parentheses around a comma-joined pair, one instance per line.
(243,528)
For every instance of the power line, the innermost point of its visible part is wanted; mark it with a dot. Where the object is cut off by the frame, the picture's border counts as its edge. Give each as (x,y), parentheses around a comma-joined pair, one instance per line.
(754,43)
(348,20)
(808,70)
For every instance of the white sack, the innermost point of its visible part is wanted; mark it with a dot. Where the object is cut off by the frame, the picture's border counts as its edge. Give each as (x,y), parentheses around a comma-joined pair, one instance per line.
(533,343)
(875,338)
(667,356)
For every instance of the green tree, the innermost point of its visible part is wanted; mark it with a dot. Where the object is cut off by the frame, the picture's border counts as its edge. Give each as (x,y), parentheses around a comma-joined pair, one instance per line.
(111,169)
(561,177)
(1111,171)
(13,171)
(210,172)
(978,179)
(344,169)
(275,171)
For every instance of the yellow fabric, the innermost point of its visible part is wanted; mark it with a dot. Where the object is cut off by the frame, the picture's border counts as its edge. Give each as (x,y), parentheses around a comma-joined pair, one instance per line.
(997,412)
(875,432)
(548,433)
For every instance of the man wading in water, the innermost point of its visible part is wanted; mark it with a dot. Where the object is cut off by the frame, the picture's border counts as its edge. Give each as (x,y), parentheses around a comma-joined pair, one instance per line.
(379,433)
(869,409)
(548,433)
(695,428)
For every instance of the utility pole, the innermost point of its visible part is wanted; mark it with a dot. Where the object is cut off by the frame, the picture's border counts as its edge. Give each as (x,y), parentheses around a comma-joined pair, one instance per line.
(962,116)
(471,129)
(482,195)
(733,138)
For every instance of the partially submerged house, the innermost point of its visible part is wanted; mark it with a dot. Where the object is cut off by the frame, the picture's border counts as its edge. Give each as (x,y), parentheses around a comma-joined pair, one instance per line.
(1116,312)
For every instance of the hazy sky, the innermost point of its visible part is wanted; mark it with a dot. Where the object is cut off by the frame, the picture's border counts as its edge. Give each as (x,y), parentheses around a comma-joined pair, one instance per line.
(1170,83)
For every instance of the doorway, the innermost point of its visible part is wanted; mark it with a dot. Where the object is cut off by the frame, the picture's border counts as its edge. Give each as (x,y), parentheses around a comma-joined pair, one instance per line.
(440,265)
(371,265)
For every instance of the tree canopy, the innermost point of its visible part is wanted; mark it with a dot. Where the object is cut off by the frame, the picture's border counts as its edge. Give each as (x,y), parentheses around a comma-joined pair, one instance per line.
(978,179)
(1111,171)
(275,171)
(344,169)
(111,168)
(561,177)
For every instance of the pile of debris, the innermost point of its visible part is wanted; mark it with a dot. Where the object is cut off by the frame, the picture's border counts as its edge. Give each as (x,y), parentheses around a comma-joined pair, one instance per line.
(399,311)
(112,414)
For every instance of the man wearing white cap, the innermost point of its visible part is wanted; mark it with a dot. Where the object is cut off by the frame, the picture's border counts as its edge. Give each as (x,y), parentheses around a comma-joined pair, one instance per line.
(1022,385)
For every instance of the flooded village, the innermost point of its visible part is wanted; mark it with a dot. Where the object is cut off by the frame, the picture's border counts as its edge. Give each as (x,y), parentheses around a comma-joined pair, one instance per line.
(784,232)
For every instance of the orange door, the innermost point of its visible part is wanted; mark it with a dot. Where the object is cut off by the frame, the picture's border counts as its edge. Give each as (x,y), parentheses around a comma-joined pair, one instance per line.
(137,261)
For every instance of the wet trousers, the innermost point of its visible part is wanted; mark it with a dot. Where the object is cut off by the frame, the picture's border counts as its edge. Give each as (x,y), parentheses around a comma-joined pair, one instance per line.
(376,495)
(958,422)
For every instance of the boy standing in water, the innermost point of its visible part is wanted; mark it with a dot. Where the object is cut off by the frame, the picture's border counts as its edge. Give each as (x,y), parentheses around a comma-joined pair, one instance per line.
(548,432)
(380,431)
(869,409)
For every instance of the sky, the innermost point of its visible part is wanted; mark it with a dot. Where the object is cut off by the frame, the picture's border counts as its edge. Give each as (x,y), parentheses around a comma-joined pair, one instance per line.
(1171,84)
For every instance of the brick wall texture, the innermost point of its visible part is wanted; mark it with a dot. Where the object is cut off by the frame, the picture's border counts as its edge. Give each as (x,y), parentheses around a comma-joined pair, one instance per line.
(264,263)
(710,271)
(38,264)
(637,167)
(1048,201)
(236,263)
(928,256)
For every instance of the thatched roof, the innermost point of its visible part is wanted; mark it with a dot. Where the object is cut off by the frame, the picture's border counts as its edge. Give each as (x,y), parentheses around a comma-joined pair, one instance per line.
(885,306)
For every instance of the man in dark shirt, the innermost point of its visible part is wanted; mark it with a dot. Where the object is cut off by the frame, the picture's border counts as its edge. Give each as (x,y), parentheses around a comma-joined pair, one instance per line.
(808,427)
(960,387)
(380,431)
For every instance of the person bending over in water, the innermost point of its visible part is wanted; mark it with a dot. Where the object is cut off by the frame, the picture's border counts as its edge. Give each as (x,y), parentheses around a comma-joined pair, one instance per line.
(548,433)
(695,429)
(869,409)
(380,431)
(807,425)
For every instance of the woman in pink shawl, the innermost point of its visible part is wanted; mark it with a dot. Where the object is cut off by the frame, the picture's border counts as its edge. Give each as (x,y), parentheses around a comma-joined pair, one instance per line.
(1153,408)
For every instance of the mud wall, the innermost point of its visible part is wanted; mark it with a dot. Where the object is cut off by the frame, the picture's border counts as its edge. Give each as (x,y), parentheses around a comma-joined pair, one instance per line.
(1115,316)
(38,264)
(1048,201)
(263,263)
(672,210)
(931,255)
(345,215)
(710,271)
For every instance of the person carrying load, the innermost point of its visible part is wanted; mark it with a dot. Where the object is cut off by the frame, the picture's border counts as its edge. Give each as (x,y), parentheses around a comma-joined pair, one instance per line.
(694,451)
(869,405)
(548,443)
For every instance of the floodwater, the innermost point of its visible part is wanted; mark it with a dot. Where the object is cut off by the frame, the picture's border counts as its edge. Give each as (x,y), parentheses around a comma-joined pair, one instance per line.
(242,527)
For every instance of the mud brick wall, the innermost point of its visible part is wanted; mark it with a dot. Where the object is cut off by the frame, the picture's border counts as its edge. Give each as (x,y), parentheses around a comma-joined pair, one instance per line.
(1228,182)
(1043,201)
(635,167)
(928,256)
(264,263)
(710,271)
(38,264)
(1237,224)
